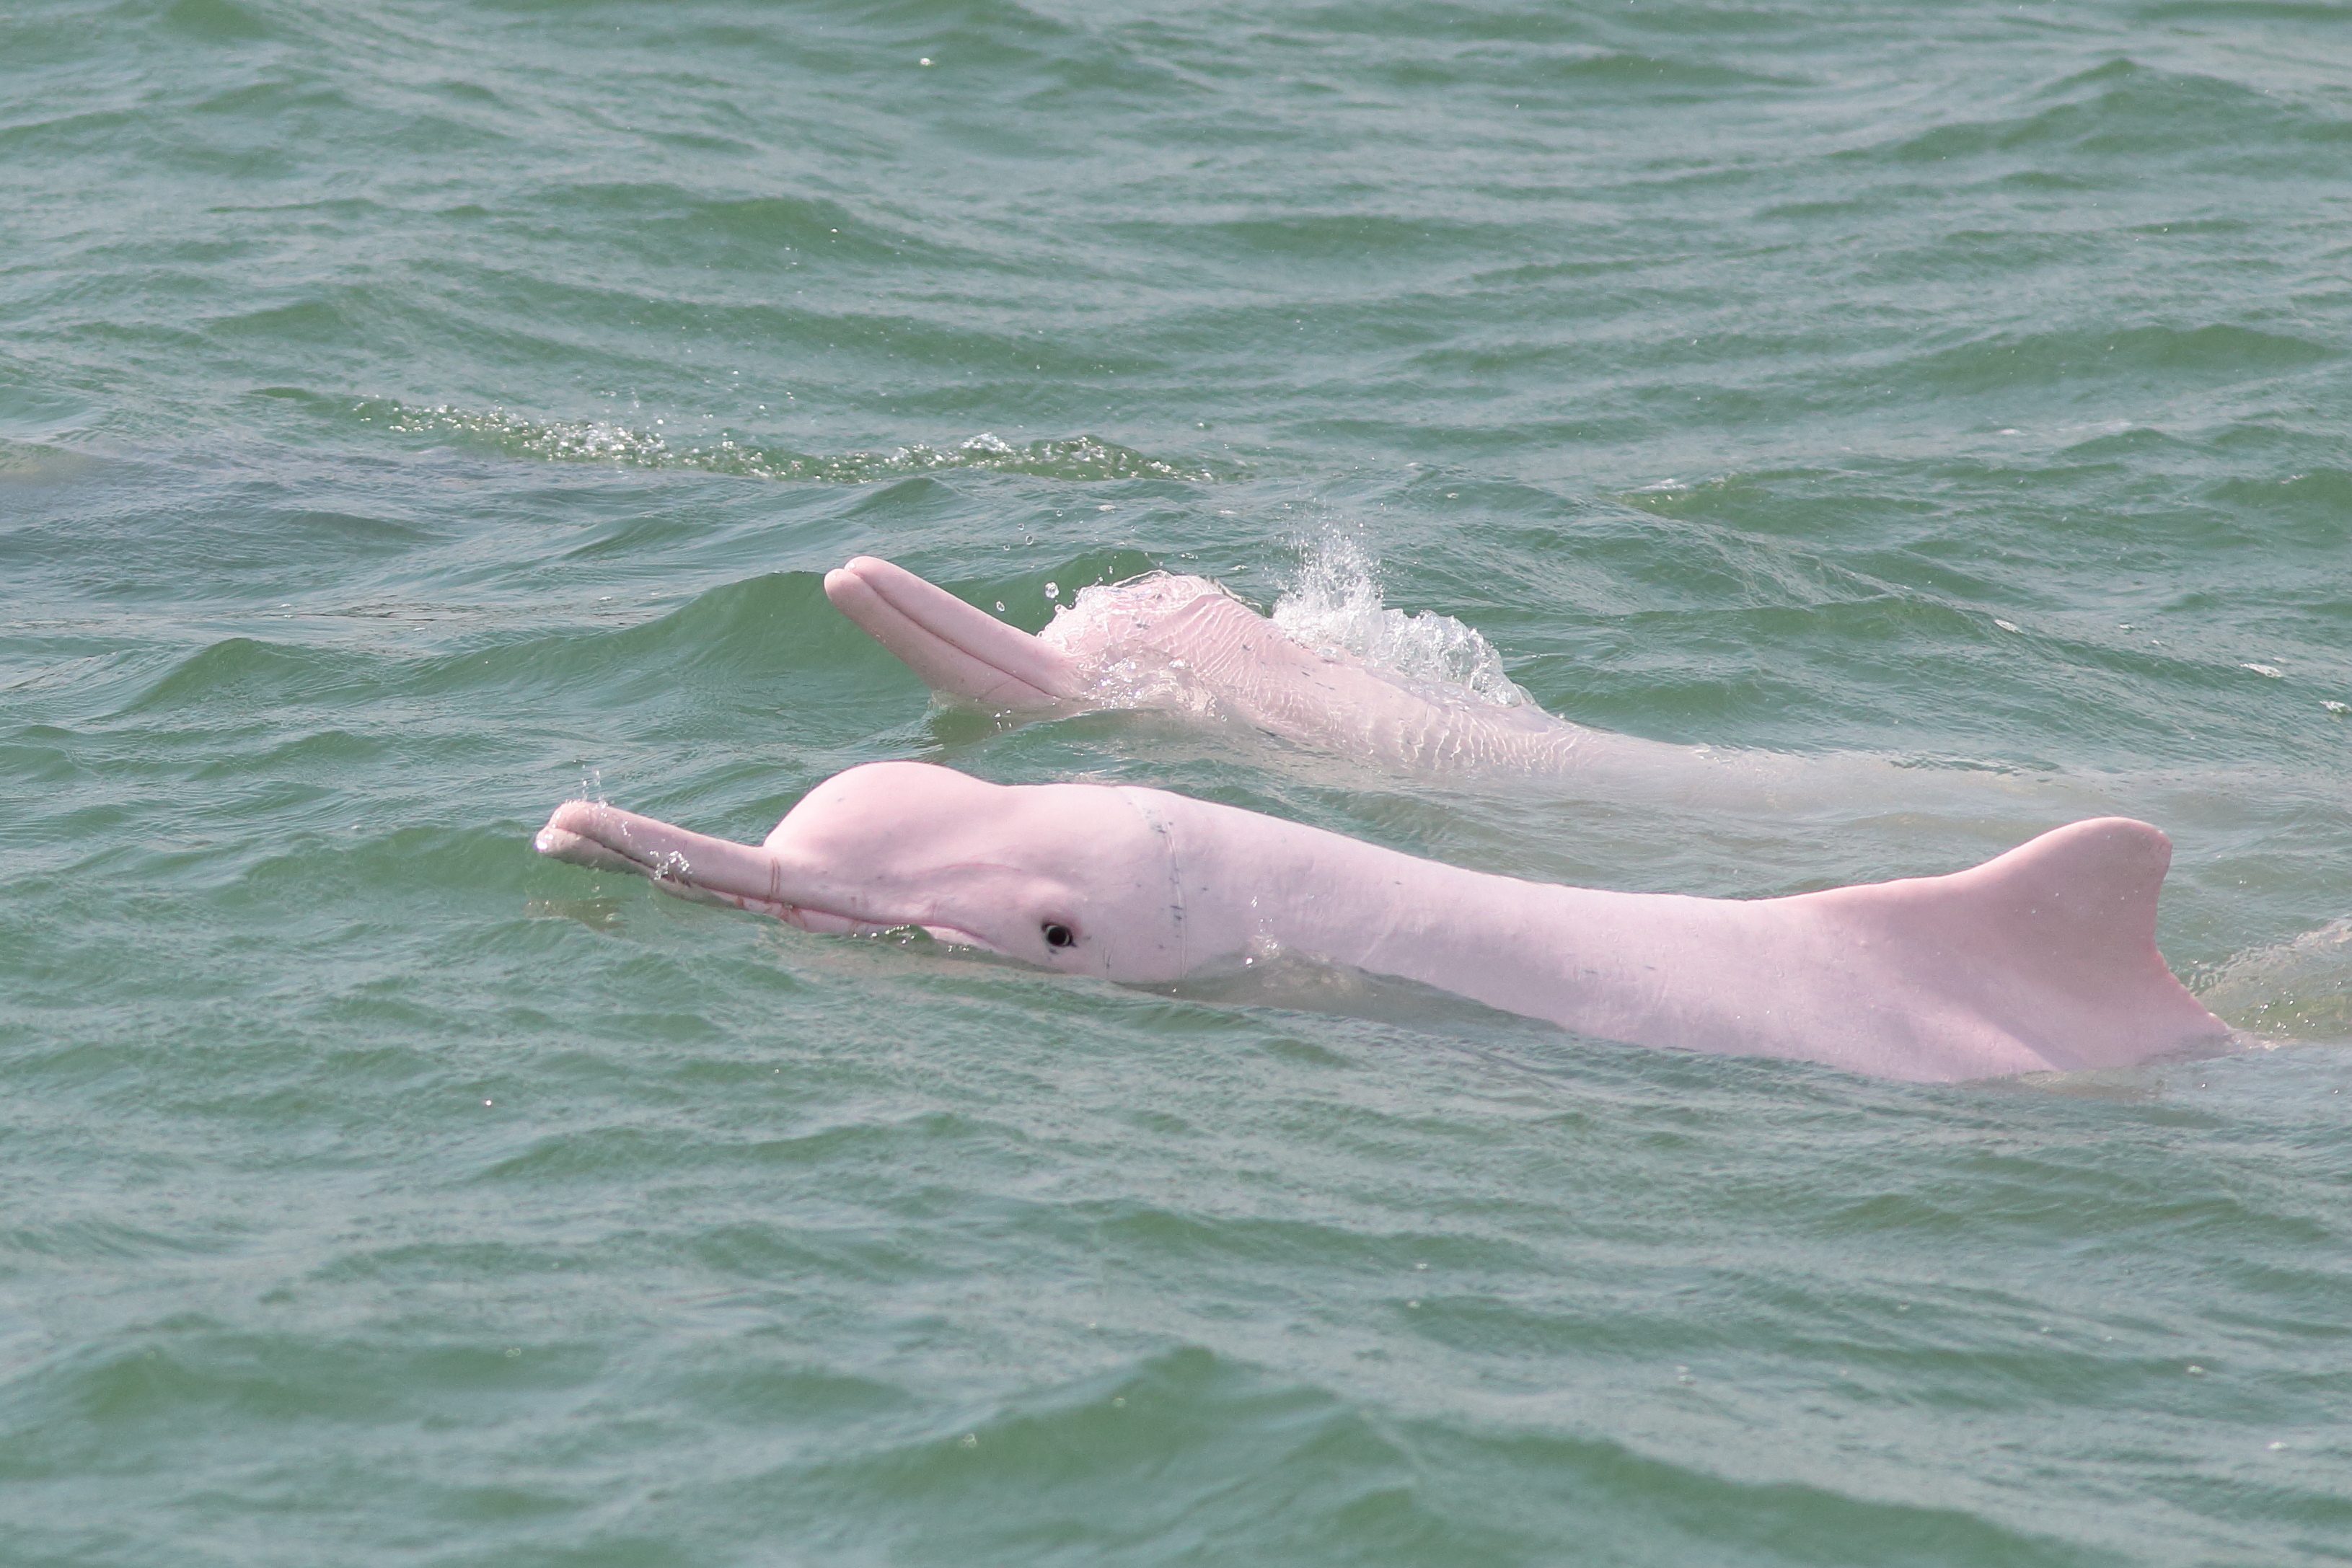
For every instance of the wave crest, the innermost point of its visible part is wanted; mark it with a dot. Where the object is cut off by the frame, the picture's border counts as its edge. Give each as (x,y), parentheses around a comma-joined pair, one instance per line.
(1078,457)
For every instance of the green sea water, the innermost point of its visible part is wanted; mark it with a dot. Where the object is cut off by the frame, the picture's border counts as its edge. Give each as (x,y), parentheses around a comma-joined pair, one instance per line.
(412,415)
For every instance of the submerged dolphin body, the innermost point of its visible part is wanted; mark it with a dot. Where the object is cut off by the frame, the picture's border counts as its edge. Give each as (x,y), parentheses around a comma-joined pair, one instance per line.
(2041,958)
(1188,645)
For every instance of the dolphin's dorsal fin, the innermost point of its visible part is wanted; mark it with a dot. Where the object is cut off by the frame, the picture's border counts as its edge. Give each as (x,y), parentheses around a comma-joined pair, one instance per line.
(2053,943)
(2090,885)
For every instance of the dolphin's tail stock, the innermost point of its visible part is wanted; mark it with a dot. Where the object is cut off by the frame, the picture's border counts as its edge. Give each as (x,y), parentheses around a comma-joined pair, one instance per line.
(2053,943)
(957,648)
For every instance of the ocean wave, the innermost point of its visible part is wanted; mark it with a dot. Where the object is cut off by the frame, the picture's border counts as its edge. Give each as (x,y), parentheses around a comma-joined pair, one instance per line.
(1075,457)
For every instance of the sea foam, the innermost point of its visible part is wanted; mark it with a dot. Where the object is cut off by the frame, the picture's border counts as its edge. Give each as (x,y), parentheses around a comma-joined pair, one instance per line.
(1336,601)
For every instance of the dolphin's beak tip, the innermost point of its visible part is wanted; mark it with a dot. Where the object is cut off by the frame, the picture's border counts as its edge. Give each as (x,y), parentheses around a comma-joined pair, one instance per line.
(567,830)
(852,575)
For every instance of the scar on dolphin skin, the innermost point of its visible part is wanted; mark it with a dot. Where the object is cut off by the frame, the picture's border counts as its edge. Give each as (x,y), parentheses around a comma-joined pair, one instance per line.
(2040,958)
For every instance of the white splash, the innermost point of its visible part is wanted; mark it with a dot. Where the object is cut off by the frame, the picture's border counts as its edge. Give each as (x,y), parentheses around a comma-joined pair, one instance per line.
(1336,602)
(2297,990)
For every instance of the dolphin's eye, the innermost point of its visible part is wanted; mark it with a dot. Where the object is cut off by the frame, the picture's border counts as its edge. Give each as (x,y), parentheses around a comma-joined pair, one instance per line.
(1059,935)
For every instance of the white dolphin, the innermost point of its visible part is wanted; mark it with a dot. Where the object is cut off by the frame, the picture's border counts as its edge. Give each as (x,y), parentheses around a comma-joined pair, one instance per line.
(2041,958)
(1186,642)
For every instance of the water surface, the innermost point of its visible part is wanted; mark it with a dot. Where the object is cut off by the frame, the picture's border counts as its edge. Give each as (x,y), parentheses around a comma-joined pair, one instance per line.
(408,420)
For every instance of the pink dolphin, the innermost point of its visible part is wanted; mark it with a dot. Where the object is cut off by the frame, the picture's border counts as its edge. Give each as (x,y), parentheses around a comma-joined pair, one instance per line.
(2041,958)
(1187,644)
(1168,641)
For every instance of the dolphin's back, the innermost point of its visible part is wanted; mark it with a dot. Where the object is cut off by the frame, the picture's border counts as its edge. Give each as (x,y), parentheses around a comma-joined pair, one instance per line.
(2043,958)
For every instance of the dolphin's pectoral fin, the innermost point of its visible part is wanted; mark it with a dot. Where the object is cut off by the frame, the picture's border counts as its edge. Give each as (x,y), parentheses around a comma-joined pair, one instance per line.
(957,648)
